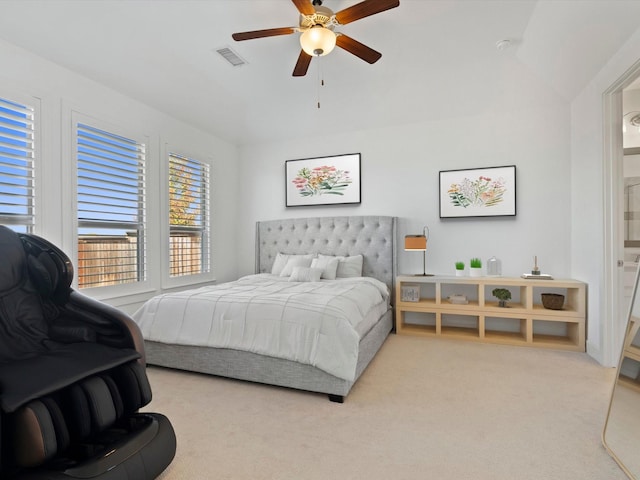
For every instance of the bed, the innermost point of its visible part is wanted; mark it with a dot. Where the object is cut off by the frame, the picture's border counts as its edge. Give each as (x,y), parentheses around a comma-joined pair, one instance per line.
(371,237)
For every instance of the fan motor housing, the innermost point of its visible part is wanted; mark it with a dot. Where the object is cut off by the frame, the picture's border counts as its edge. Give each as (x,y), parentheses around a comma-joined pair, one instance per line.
(322,17)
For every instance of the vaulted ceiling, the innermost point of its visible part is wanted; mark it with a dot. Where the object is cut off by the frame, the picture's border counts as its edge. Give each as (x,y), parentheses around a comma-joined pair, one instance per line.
(439,58)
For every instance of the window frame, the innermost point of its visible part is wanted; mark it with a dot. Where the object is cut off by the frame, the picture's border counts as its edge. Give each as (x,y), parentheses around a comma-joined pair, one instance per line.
(169,281)
(36,162)
(204,200)
(143,285)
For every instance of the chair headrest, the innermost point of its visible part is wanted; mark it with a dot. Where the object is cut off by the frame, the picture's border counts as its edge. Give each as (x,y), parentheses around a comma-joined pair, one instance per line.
(26,256)
(13,268)
(49,267)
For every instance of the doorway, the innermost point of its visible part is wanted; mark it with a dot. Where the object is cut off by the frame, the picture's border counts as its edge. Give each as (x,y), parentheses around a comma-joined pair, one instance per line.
(622,182)
(631,187)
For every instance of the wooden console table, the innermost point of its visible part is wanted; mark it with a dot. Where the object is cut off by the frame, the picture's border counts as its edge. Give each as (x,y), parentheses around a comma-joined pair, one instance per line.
(525,321)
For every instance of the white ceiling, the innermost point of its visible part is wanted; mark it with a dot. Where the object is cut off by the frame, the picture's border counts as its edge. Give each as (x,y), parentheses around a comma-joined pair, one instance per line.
(439,58)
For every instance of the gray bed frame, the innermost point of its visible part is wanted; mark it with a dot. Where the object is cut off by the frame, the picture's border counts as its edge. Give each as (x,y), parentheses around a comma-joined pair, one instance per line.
(372,236)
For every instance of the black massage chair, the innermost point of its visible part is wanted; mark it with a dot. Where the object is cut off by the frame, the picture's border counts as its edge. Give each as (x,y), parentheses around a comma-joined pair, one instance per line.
(72,377)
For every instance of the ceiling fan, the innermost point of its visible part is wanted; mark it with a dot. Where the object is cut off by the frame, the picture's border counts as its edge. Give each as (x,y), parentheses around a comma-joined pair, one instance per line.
(317,24)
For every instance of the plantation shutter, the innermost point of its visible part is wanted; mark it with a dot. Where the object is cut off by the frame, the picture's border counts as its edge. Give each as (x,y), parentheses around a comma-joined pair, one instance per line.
(17,156)
(188,216)
(111,208)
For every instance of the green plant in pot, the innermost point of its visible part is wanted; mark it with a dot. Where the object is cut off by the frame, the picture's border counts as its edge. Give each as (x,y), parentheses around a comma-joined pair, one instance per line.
(502,294)
(475,267)
(459,269)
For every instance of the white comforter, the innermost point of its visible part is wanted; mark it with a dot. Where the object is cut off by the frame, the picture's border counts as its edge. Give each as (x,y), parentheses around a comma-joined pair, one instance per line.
(315,323)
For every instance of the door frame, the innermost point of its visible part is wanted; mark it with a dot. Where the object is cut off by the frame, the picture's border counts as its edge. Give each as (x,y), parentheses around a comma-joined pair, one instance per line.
(613,154)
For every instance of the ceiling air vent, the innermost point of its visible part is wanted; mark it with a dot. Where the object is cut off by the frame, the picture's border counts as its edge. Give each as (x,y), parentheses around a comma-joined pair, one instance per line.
(230,56)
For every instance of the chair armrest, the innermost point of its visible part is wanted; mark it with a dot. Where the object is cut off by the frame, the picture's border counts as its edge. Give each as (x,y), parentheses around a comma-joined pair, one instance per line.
(102,314)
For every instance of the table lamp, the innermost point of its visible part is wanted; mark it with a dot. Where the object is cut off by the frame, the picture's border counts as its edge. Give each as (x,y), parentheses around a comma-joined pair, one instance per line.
(418,243)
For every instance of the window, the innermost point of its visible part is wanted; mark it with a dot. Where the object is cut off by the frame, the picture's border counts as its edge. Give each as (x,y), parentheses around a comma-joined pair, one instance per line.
(188,216)
(17,158)
(111,208)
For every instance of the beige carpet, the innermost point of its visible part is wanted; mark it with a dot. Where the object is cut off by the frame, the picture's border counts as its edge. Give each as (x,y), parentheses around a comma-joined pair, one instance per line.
(424,409)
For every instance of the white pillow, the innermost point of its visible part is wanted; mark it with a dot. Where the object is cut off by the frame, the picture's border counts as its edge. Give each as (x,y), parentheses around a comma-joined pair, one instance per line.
(350,266)
(305,274)
(295,261)
(328,265)
(281,261)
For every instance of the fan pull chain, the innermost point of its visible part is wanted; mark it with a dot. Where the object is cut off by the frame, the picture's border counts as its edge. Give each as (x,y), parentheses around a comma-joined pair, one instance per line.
(320,81)
(321,84)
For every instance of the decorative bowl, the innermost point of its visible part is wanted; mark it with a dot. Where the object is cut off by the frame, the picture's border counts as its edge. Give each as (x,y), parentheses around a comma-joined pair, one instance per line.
(552,301)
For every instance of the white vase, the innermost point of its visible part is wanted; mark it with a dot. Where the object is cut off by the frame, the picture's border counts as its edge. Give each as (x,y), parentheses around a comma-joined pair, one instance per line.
(459,273)
(475,272)
(494,267)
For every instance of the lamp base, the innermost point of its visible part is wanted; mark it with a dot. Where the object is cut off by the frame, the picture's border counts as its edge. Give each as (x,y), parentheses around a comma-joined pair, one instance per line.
(423,274)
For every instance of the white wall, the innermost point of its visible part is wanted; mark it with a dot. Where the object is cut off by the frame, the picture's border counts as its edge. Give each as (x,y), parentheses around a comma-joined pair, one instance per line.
(60,92)
(400,168)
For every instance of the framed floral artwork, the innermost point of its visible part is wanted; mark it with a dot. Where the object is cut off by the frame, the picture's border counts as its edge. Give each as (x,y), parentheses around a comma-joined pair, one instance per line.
(323,180)
(478,192)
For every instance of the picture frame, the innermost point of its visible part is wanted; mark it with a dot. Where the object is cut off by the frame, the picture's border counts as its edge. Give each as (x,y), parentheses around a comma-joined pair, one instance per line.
(333,180)
(410,293)
(478,192)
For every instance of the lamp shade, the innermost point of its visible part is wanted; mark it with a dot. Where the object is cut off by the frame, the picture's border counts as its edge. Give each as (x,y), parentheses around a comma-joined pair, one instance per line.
(317,41)
(415,243)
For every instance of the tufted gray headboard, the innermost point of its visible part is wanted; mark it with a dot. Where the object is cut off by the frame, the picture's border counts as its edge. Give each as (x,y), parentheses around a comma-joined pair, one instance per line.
(373,237)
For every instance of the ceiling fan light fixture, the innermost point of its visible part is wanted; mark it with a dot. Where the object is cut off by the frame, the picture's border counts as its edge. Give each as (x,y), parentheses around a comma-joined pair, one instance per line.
(317,41)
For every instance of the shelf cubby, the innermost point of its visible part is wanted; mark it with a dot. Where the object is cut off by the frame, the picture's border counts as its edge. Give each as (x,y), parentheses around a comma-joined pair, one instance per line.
(459,325)
(505,330)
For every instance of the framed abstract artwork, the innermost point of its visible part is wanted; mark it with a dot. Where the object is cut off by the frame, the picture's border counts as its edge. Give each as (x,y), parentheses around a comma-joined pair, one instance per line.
(478,192)
(410,293)
(323,180)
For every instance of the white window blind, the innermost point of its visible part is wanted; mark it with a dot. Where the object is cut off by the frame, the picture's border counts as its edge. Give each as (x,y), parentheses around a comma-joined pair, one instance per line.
(17,156)
(188,216)
(111,208)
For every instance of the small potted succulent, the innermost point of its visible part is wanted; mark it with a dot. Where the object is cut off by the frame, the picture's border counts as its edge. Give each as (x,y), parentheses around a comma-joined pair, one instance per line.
(459,269)
(502,294)
(475,267)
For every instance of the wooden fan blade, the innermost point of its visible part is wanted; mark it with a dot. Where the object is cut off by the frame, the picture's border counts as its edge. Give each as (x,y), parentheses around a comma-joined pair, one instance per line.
(302,65)
(270,32)
(304,7)
(360,50)
(364,9)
